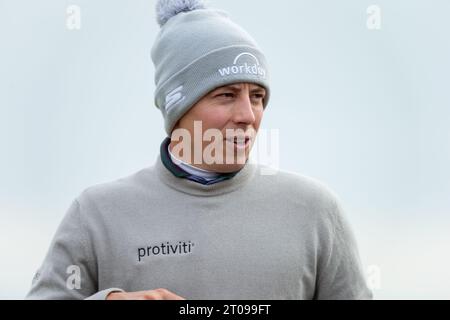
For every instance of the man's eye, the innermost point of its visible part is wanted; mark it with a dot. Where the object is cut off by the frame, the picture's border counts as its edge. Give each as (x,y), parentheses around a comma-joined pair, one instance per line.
(259,97)
(227,95)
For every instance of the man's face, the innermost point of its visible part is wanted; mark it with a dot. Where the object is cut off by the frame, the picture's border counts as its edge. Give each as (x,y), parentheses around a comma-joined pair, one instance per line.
(235,111)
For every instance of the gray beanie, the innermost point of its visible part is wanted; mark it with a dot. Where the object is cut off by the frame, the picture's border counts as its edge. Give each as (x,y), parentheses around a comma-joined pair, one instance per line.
(197,50)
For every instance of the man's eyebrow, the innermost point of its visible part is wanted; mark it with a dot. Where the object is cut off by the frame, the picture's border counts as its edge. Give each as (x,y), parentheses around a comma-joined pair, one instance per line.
(230,87)
(238,88)
(259,89)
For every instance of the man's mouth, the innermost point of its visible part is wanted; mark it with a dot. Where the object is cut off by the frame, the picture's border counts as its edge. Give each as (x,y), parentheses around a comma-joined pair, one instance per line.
(239,142)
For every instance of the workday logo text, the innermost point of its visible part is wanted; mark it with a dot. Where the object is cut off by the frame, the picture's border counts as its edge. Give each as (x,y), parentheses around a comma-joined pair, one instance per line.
(240,67)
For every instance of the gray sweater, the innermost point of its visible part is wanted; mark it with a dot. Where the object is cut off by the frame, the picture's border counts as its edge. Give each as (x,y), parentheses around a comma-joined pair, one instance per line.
(254,237)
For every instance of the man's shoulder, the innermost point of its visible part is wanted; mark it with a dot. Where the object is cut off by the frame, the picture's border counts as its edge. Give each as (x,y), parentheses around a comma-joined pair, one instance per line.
(120,188)
(304,193)
(296,185)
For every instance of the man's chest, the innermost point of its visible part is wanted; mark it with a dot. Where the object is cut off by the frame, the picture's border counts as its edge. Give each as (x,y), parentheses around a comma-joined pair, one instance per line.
(214,256)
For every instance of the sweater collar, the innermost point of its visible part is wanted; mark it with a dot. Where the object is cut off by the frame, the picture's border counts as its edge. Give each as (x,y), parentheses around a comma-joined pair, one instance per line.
(179,179)
(178,172)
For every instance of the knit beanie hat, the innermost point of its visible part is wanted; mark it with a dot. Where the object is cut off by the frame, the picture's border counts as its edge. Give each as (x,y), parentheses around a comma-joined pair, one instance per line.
(197,50)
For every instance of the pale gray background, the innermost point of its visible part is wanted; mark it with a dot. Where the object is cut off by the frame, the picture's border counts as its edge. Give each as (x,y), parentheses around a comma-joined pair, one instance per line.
(364,111)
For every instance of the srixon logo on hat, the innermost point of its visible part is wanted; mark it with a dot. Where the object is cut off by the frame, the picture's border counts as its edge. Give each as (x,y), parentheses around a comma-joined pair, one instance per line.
(174,97)
(245,63)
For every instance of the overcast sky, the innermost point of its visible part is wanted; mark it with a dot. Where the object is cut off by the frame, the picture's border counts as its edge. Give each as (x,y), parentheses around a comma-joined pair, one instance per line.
(365,111)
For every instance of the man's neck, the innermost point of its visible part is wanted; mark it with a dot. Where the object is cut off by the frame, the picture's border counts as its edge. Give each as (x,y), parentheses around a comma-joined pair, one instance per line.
(192,169)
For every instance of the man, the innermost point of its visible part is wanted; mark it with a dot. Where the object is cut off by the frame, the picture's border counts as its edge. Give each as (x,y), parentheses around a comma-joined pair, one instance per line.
(204,223)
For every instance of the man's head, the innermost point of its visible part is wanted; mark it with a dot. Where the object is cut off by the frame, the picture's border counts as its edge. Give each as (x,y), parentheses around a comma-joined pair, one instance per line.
(201,50)
(221,126)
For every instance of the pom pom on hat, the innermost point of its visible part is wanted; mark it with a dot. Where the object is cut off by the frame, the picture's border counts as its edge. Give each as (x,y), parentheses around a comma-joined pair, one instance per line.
(166,9)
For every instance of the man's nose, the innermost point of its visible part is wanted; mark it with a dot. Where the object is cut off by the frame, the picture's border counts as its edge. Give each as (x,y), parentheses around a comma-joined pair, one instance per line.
(243,110)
